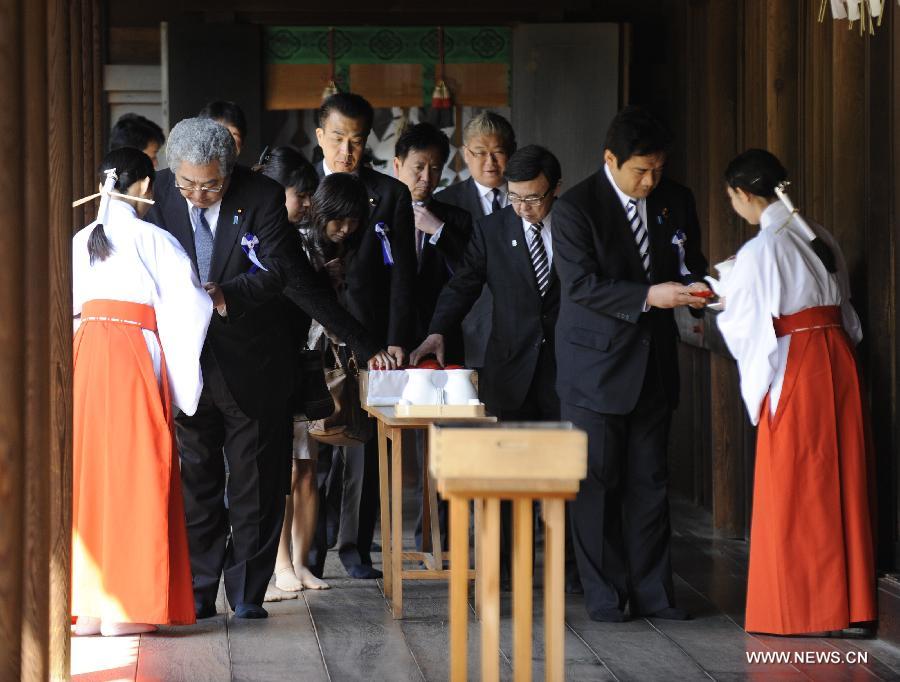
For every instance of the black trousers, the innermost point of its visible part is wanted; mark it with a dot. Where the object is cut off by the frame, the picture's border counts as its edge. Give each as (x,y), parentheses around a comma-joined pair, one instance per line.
(541,404)
(241,540)
(620,517)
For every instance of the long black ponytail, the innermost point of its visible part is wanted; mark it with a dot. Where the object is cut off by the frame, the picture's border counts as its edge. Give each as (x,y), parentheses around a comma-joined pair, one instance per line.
(131,166)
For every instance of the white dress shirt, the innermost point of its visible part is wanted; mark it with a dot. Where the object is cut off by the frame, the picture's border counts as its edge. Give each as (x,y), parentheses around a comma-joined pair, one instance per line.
(211,215)
(486,194)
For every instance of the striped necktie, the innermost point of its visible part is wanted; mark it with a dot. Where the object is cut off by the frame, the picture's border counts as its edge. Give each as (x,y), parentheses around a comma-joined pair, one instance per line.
(641,237)
(539,258)
(203,243)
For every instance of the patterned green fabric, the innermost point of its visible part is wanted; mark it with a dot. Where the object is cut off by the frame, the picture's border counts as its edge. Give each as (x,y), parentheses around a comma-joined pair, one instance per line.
(388,45)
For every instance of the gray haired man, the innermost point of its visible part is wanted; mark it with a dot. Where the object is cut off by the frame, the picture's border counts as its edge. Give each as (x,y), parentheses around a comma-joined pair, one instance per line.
(233,224)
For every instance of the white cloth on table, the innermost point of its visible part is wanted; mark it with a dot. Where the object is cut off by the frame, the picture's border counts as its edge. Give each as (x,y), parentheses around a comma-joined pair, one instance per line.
(149,266)
(777,273)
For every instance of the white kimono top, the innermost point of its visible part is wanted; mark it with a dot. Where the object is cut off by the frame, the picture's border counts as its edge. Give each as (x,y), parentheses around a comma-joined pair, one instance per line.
(149,266)
(775,274)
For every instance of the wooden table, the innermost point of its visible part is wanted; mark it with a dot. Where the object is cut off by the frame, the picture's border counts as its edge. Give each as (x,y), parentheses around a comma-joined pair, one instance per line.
(391,428)
(523,463)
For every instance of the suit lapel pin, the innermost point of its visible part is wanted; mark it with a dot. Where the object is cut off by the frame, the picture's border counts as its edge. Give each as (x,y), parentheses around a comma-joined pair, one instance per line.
(237,216)
(515,243)
(663,216)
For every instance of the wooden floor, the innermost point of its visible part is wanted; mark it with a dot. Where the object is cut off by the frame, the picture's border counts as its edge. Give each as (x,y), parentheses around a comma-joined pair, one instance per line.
(347,633)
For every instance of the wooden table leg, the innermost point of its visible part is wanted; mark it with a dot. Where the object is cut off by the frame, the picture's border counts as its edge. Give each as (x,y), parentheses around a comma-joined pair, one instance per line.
(554,587)
(397,521)
(437,550)
(384,488)
(490,601)
(478,514)
(522,548)
(459,587)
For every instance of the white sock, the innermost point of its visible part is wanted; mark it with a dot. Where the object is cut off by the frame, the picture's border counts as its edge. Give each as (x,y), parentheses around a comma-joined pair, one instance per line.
(287,581)
(108,629)
(311,582)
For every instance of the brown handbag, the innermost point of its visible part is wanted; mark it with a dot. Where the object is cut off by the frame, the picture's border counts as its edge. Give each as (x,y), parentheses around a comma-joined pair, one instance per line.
(349,424)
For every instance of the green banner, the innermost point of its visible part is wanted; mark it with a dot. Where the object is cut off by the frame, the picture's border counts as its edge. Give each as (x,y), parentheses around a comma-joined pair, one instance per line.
(387,45)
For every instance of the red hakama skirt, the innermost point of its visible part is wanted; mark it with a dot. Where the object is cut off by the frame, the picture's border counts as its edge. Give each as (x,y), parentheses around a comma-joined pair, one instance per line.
(811,546)
(130,559)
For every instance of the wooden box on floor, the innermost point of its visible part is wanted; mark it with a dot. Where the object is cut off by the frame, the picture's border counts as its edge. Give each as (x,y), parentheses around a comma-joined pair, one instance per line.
(522,462)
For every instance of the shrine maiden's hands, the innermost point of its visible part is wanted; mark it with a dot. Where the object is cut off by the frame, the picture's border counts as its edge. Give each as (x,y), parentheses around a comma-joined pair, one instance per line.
(217,296)
(432,345)
(426,221)
(382,360)
(673,294)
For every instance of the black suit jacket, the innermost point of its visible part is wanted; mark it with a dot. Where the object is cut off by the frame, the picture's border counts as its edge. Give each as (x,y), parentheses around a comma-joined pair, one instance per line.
(253,345)
(604,338)
(379,295)
(436,265)
(522,321)
(476,327)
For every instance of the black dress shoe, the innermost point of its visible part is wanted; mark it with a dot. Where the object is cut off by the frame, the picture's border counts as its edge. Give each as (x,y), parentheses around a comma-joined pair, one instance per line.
(669,613)
(250,611)
(204,611)
(609,615)
(363,572)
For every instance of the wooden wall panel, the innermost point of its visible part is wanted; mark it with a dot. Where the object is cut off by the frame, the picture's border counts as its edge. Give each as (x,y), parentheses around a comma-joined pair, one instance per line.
(36,338)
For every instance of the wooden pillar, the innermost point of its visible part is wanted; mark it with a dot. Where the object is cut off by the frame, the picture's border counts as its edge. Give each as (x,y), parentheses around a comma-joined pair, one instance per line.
(59,313)
(35,340)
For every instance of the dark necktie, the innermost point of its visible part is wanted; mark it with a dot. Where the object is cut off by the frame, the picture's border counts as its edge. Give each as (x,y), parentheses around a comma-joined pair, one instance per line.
(420,244)
(539,258)
(203,243)
(641,237)
(495,203)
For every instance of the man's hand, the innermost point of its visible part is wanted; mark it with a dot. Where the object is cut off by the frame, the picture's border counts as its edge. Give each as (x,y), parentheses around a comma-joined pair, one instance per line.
(398,354)
(218,298)
(426,221)
(673,294)
(432,345)
(382,360)
(700,289)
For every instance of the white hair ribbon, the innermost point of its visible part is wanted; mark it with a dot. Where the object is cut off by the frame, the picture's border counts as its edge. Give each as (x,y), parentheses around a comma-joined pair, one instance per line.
(108,184)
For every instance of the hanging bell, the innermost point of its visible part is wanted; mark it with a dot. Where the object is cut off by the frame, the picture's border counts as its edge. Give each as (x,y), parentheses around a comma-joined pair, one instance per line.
(440,98)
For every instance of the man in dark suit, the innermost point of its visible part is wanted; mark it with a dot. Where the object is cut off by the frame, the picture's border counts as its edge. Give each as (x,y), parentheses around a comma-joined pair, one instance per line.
(233,225)
(511,252)
(627,245)
(442,232)
(380,271)
(488,141)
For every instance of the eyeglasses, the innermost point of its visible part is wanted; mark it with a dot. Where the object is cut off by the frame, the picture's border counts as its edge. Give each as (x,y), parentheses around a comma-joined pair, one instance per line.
(531,201)
(203,189)
(482,155)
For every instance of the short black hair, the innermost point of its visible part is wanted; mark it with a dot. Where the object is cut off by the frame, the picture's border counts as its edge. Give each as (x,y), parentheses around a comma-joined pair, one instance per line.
(223,110)
(289,168)
(636,132)
(339,196)
(134,130)
(420,137)
(347,104)
(530,161)
(756,171)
